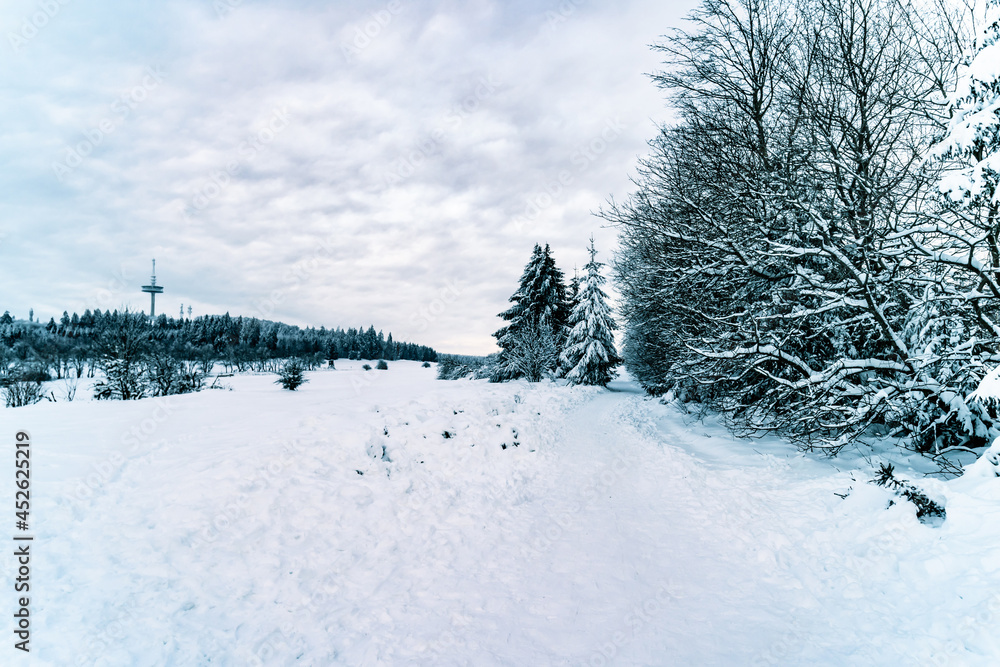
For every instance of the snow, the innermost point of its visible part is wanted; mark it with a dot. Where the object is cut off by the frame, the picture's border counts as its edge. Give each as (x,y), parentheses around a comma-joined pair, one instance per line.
(552,525)
(988,391)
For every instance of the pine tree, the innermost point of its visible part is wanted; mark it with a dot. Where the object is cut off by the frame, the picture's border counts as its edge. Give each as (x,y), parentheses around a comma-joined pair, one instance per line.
(590,355)
(573,293)
(549,305)
(292,375)
(517,316)
(540,308)
(973,135)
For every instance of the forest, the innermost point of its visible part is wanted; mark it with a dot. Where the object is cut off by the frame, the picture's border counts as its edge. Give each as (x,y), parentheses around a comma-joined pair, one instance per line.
(813,244)
(137,357)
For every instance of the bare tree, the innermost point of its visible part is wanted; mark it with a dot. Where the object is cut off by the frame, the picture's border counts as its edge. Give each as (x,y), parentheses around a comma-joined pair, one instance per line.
(533,352)
(777,259)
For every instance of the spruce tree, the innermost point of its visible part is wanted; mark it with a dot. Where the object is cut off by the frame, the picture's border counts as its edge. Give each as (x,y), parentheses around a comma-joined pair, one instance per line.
(292,375)
(573,293)
(590,355)
(540,308)
(517,316)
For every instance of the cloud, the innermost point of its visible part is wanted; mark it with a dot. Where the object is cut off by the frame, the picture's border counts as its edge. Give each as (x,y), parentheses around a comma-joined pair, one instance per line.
(418,145)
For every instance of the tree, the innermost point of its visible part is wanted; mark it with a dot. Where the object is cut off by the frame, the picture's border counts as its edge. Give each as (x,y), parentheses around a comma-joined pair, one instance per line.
(533,354)
(540,308)
(123,349)
(292,375)
(777,261)
(590,355)
(973,136)
(573,291)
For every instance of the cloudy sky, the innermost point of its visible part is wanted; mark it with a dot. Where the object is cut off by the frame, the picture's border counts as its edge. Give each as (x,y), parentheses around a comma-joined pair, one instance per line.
(315,162)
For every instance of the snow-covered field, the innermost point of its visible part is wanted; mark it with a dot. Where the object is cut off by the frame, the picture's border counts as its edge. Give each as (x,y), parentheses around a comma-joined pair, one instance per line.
(386,518)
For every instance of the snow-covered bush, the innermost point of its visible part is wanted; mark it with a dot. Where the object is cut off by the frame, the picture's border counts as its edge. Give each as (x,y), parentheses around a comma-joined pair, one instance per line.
(457,367)
(533,353)
(381,365)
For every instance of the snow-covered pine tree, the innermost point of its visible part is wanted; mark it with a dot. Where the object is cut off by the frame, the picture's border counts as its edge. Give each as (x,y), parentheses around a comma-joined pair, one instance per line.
(973,136)
(539,305)
(507,336)
(545,299)
(573,293)
(590,355)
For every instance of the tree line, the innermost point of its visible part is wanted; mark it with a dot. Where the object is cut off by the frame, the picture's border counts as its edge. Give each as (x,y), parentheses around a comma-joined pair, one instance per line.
(135,357)
(813,246)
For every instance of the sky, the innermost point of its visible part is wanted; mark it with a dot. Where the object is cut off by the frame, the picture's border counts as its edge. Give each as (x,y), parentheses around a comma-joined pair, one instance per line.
(318,163)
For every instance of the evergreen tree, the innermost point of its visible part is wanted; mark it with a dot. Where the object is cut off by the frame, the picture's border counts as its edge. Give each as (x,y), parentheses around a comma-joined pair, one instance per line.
(517,316)
(123,348)
(590,355)
(573,293)
(540,307)
(292,375)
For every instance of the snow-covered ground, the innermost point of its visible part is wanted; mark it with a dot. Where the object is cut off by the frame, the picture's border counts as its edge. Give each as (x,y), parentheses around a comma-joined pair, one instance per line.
(386,518)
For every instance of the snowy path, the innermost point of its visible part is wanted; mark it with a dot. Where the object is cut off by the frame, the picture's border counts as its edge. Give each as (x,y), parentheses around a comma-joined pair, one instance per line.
(390,519)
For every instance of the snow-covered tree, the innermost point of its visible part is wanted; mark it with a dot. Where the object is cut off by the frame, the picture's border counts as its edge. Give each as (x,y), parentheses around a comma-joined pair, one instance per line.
(573,293)
(780,261)
(539,305)
(590,356)
(973,136)
(534,354)
(292,375)
(123,350)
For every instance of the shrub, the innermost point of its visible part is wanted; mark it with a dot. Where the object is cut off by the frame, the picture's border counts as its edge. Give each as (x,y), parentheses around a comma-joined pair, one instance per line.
(292,375)
(456,367)
(20,392)
(928,511)
(381,365)
(426,364)
(366,367)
